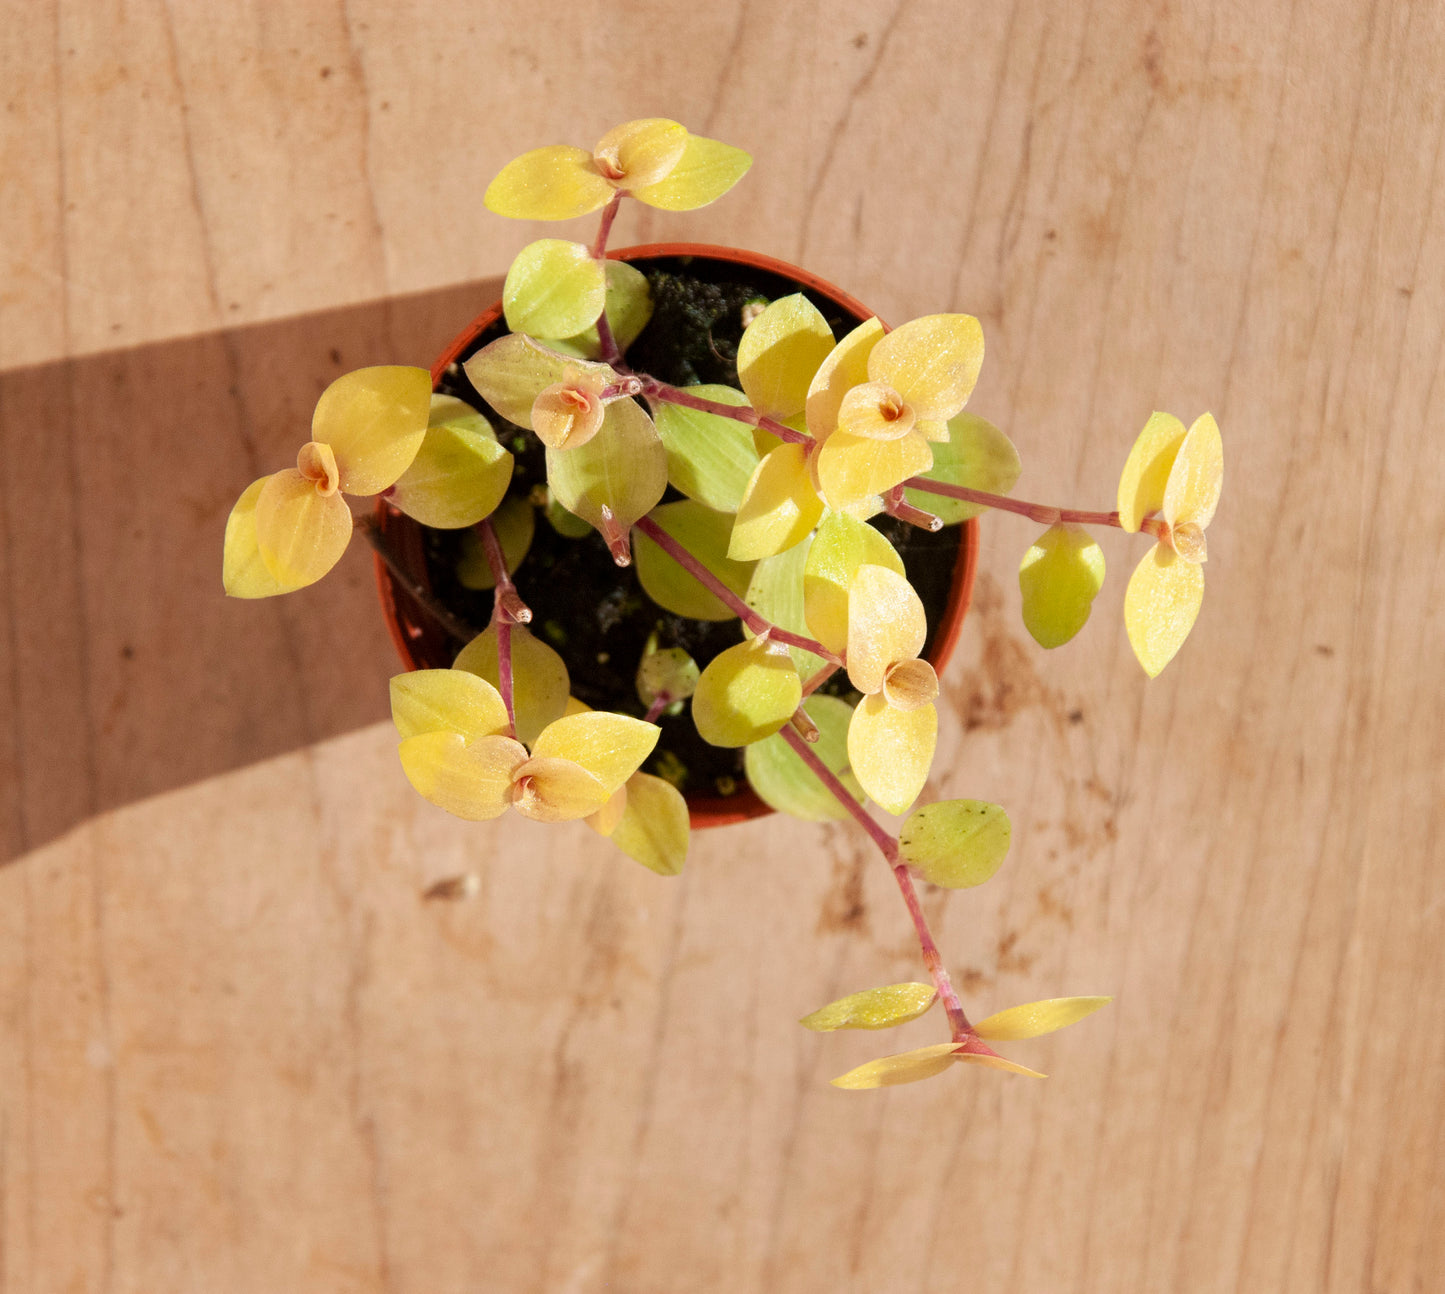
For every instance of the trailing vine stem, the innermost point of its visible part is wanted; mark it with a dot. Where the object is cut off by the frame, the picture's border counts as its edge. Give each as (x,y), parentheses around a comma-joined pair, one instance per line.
(507,609)
(958,1023)
(757,623)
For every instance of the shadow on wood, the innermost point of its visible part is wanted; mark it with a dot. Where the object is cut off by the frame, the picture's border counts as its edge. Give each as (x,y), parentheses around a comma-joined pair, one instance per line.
(126,670)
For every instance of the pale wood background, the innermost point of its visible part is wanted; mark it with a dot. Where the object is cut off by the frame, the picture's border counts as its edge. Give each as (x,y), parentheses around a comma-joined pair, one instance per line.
(239,1052)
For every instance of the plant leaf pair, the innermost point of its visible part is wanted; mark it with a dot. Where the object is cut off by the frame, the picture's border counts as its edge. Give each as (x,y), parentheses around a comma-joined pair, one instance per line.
(1179,474)
(655,160)
(288,529)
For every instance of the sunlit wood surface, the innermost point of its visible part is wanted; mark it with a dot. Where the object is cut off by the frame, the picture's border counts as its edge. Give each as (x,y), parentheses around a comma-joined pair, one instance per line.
(239,1051)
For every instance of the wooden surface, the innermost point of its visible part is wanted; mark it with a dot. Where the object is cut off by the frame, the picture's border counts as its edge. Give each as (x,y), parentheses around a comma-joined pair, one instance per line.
(240,1052)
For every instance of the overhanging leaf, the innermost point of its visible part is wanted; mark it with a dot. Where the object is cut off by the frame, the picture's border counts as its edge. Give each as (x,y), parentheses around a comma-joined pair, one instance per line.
(785,783)
(709,458)
(746,693)
(554,288)
(1035,1018)
(704,533)
(1059,579)
(956,843)
(874,1008)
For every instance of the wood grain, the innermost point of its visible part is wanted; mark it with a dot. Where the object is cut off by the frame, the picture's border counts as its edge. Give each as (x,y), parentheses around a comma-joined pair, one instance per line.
(240,1052)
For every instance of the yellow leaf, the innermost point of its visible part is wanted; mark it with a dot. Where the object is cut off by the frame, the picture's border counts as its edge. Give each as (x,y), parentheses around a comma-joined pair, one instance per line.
(906,1067)
(374,420)
(1035,1018)
(997,1062)
(874,1008)
(892,750)
(470,780)
(844,368)
(779,506)
(779,354)
(1161,605)
(639,153)
(706,171)
(853,468)
(604,821)
(446,700)
(654,827)
(1192,493)
(1059,578)
(459,475)
(609,746)
(746,693)
(933,363)
(841,547)
(539,677)
(548,789)
(886,624)
(300,532)
(553,183)
(554,288)
(1146,470)
(244,574)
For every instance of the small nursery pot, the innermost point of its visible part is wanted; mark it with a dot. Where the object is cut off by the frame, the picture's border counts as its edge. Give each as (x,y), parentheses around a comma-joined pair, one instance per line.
(423,643)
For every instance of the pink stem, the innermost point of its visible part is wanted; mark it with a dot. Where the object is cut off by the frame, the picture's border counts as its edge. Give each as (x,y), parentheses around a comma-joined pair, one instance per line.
(611,352)
(739,413)
(818,679)
(604,226)
(895,505)
(957,1021)
(745,613)
(658,705)
(505,609)
(507,598)
(1040,512)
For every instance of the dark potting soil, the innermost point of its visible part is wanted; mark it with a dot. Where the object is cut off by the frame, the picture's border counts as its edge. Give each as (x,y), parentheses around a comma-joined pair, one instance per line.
(595,613)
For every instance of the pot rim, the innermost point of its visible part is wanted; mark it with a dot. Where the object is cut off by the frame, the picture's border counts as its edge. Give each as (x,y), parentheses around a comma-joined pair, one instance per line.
(706,811)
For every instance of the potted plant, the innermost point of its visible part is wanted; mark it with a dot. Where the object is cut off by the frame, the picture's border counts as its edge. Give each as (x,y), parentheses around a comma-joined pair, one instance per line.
(740,443)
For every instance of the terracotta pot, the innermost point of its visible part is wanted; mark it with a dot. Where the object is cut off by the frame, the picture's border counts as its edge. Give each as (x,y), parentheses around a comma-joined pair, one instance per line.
(423,644)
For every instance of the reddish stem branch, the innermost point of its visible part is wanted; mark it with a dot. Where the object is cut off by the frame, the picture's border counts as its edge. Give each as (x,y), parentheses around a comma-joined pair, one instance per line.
(1043,513)
(604,226)
(958,1023)
(507,609)
(659,704)
(758,624)
(507,598)
(895,505)
(818,679)
(738,412)
(458,628)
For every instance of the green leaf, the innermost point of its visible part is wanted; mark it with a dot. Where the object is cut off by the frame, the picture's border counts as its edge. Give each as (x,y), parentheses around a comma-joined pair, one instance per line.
(565,523)
(874,1008)
(978,456)
(515,522)
(709,458)
(776,594)
(629,307)
(745,694)
(667,671)
(956,843)
(1059,578)
(622,469)
(783,782)
(553,289)
(705,534)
